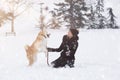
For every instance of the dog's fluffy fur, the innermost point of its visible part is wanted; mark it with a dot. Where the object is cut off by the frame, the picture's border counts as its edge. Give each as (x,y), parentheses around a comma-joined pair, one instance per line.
(39,45)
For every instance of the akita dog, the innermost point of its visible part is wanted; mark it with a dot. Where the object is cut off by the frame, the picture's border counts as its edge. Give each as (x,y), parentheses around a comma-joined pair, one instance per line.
(39,45)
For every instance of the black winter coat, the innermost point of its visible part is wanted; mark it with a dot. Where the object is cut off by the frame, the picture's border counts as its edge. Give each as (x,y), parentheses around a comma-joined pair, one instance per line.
(68,47)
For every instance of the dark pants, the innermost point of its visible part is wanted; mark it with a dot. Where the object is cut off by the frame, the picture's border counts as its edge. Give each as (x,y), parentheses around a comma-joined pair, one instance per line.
(62,62)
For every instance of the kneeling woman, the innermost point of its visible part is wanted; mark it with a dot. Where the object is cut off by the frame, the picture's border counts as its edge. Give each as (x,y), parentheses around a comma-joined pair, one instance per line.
(67,48)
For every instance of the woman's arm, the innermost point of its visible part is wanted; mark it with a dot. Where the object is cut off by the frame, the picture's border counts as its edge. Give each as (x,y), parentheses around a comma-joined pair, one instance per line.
(55,49)
(60,47)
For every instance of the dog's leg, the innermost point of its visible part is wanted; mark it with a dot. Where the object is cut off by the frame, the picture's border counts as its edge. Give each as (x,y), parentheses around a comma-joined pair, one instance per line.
(31,59)
(30,56)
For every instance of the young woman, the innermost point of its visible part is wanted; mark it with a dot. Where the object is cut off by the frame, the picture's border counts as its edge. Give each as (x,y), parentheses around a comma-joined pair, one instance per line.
(68,48)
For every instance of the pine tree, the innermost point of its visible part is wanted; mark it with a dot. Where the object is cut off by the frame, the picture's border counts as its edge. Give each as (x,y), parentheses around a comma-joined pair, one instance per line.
(72,12)
(111,19)
(96,18)
(91,19)
(100,8)
(99,18)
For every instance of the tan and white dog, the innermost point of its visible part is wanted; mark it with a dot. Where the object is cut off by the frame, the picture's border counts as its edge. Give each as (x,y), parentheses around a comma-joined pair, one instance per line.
(39,45)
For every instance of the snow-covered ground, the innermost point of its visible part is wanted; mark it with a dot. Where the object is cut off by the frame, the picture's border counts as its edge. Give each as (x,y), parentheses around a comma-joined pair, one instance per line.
(97,58)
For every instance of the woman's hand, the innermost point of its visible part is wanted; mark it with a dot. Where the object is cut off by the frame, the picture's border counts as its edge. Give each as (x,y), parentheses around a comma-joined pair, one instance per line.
(50,49)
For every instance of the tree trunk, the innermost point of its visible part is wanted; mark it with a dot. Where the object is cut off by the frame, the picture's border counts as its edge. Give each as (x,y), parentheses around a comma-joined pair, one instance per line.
(71,12)
(12,25)
(12,28)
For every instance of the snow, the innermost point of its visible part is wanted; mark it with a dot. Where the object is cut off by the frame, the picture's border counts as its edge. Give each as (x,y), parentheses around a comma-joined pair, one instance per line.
(97,58)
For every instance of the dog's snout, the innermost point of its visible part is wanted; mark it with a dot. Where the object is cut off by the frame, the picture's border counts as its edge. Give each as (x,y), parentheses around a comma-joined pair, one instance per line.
(48,35)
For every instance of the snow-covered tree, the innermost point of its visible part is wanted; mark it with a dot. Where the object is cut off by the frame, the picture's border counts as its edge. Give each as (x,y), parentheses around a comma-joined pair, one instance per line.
(96,18)
(111,19)
(72,12)
(16,8)
(100,19)
(91,19)
(99,7)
